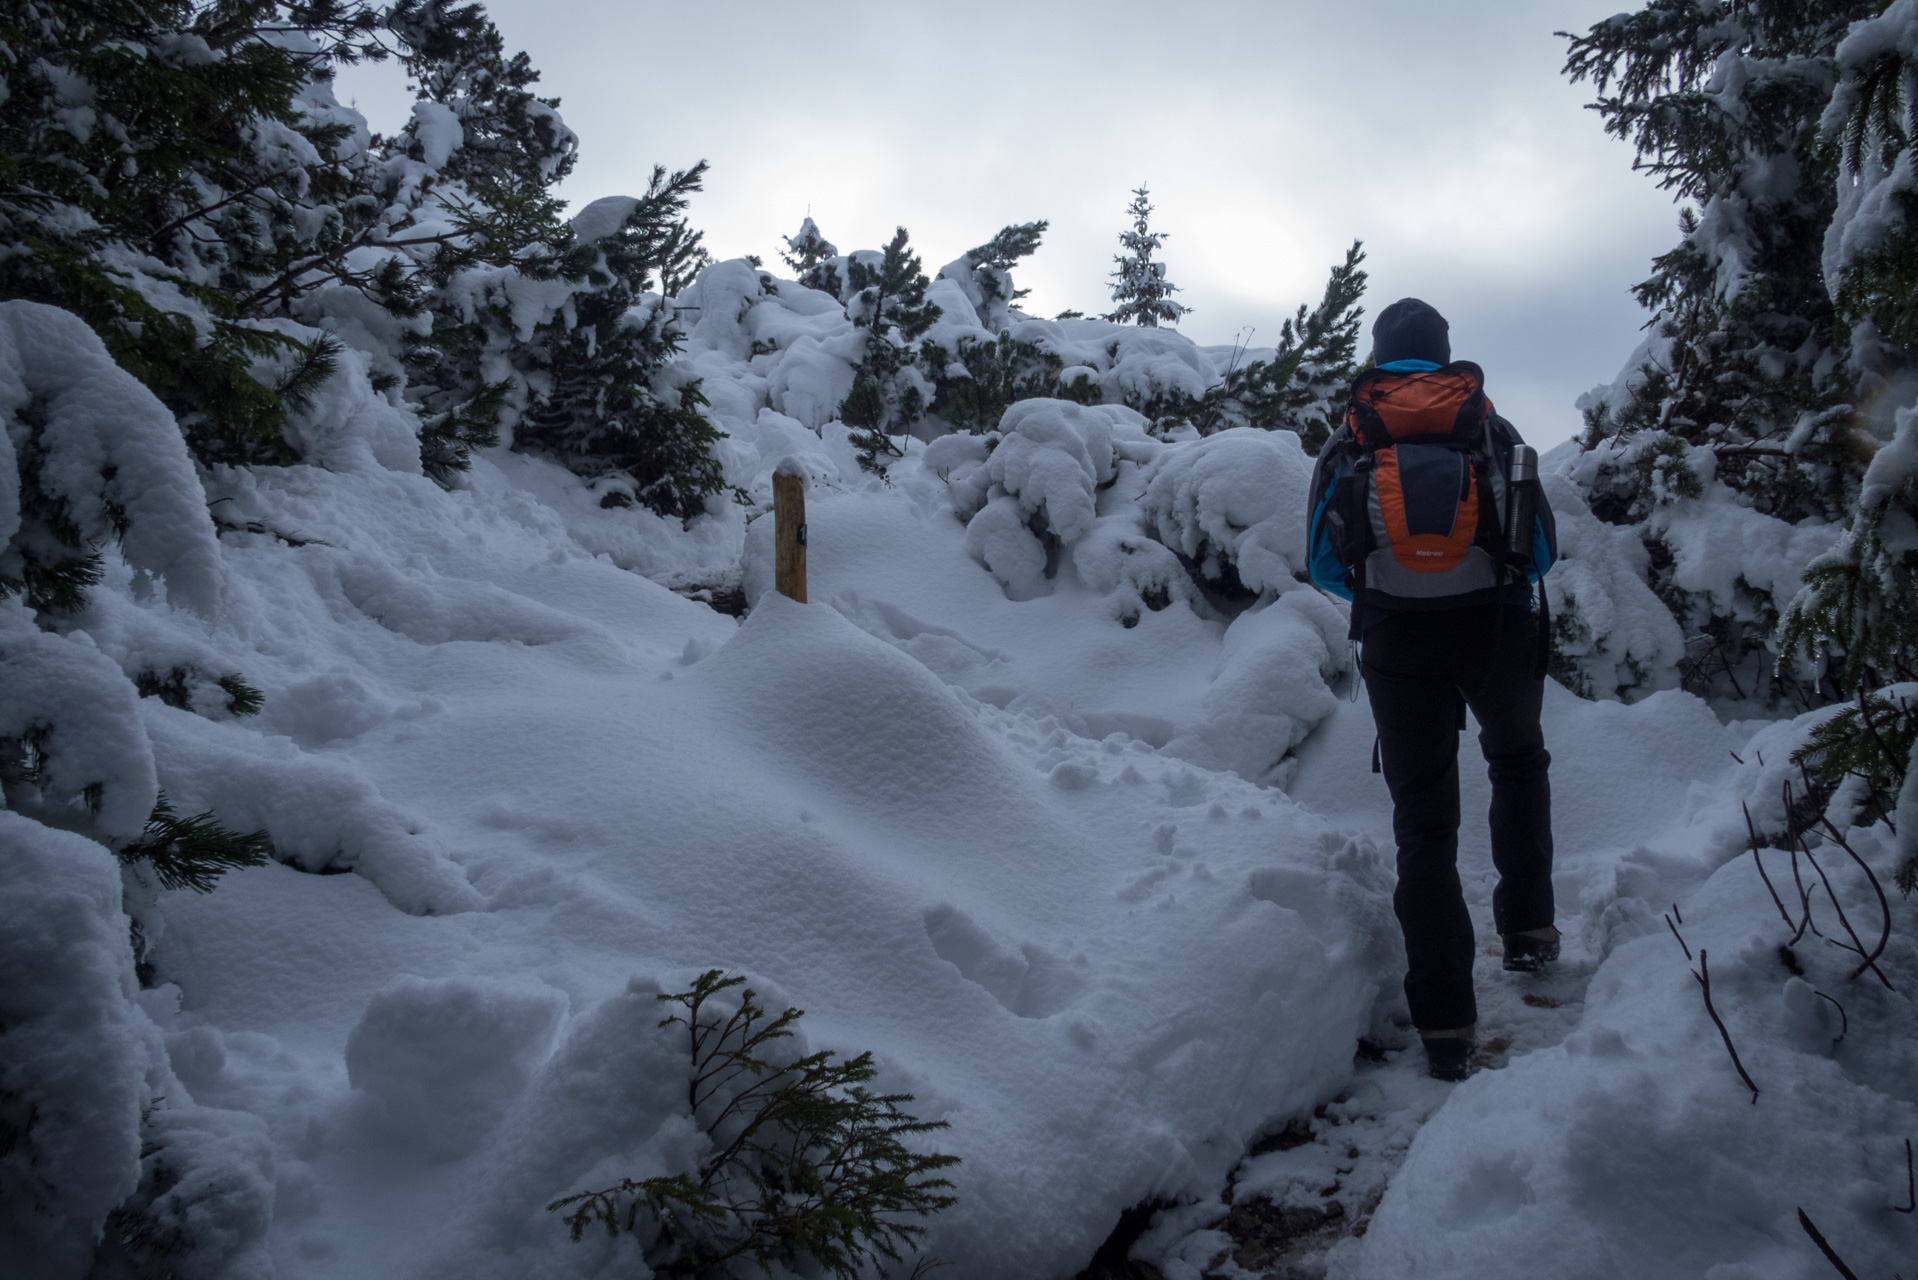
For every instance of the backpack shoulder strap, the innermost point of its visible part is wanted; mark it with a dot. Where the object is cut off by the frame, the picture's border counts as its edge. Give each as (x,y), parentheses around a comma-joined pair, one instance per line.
(1504,434)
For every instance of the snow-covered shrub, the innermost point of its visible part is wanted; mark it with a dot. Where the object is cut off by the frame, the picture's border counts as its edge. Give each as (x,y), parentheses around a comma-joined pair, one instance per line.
(73,1050)
(1723,570)
(108,1161)
(805,1166)
(1039,482)
(89,459)
(1121,560)
(1234,505)
(171,231)
(1871,246)
(1274,686)
(1860,604)
(1611,637)
(242,256)
(604,399)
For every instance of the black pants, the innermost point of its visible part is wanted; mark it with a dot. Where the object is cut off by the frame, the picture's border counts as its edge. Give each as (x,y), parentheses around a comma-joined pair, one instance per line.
(1421,670)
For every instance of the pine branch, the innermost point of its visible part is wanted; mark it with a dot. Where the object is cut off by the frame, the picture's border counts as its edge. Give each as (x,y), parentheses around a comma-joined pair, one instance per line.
(193,852)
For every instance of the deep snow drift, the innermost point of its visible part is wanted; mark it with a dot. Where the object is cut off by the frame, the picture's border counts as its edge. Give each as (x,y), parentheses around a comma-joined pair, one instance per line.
(1050,799)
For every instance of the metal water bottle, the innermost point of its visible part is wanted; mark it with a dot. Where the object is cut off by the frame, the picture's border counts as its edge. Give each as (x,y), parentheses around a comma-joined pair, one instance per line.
(1521,503)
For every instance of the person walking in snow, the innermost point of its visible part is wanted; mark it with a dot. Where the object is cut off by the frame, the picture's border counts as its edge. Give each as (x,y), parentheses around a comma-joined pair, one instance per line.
(1425,514)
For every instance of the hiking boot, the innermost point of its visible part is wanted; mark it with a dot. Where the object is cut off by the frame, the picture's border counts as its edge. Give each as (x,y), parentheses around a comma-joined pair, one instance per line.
(1530,951)
(1448,1058)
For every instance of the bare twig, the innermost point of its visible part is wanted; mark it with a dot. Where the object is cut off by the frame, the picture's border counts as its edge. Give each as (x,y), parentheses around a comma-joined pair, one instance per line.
(1804,900)
(1911,1184)
(1884,932)
(1856,945)
(1793,839)
(1676,912)
(1752,827)
(1680,937)
(1704,975)
(1844,1022)
(1831,1255)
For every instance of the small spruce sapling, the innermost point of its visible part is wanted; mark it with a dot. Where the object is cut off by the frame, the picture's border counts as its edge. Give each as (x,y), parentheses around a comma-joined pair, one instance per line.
(811,257)
(807,1166)
(1140,290)
(888,394)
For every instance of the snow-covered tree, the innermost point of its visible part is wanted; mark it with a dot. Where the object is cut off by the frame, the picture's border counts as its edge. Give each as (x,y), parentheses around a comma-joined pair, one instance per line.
(888,392)
(811,257)
(602,395)
(157,223)
(985,272)
(1303,387)
(1745,393)
(1141,293)
(1861,601)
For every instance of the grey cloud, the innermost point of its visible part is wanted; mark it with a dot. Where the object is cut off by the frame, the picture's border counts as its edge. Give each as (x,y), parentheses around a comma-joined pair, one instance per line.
(1272,135)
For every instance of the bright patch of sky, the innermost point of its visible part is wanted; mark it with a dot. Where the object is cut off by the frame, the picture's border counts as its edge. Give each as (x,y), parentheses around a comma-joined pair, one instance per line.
(1272,135)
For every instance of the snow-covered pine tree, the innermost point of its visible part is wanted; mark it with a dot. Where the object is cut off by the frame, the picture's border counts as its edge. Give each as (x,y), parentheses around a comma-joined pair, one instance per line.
(603,398)
(985,272)
(1745,381)
(1303,387)
(478,161)
(1859,609)
(1862,600)
(472,192)
(888,392)
(976,382)
(1140,290)
(811,257)
(159,224)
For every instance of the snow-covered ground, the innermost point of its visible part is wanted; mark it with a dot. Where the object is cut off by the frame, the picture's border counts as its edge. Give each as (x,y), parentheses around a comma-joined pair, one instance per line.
(1085,849)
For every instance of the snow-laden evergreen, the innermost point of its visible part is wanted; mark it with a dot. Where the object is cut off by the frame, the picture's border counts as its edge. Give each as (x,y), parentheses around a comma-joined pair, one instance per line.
(1747,392)
(1141,293)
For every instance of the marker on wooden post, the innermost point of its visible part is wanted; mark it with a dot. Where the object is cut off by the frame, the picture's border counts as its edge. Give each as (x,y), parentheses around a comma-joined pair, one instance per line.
(789,531)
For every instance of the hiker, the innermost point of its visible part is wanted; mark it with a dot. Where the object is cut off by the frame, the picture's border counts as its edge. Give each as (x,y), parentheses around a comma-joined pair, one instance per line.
(1425,513)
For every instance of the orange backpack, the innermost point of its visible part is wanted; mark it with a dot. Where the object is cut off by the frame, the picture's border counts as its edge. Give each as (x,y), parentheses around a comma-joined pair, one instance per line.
(1408,500)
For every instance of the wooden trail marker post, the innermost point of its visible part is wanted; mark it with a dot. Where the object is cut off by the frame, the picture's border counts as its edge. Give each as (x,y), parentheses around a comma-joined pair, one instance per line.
(789,535)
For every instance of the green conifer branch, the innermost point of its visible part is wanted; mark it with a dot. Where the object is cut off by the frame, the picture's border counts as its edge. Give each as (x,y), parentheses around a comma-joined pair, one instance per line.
(809,1167)
(193,852)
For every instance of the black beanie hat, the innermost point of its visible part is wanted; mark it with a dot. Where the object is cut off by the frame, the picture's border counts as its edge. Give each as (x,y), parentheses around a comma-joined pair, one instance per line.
(1411,330)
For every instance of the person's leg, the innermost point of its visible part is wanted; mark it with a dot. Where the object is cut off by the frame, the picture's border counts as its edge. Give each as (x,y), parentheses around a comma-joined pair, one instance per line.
(1415,708)
(1500,683)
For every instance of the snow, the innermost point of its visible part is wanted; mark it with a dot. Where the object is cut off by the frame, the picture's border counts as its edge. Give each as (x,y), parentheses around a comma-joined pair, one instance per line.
(1617,635)
(1052,799)
(740,811)
(72,1044)
(98,420)
(1577,1152)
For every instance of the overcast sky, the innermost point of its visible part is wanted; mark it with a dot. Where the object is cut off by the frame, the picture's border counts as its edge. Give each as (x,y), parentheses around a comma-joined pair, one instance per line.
(1272,135)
